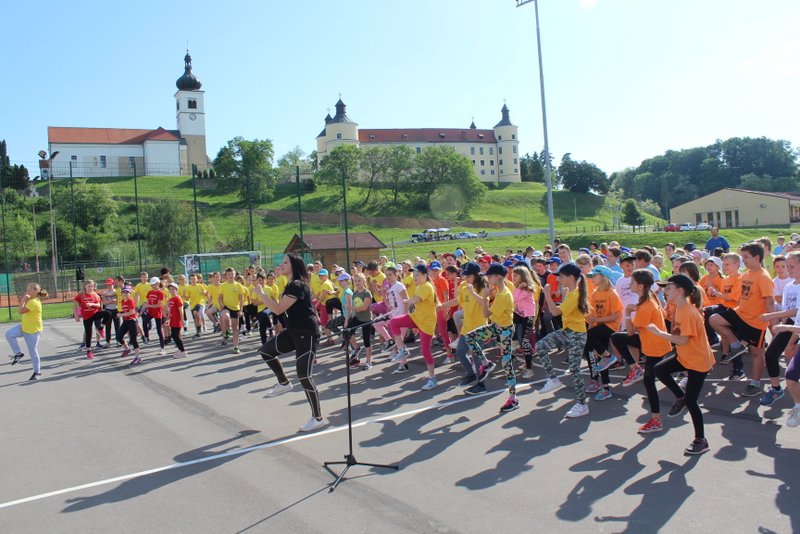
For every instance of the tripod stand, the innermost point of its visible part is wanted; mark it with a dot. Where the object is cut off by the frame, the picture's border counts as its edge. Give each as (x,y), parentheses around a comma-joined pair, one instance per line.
(349,458)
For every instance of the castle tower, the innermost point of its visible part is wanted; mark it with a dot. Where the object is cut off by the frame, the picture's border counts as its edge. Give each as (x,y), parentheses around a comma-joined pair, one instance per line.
(507,148)
(340,130)
(191,118)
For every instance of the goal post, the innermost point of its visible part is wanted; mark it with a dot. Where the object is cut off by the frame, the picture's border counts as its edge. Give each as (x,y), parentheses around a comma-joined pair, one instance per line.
(219,261)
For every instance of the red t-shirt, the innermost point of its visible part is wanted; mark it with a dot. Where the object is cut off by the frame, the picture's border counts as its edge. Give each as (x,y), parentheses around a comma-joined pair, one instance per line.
(129,305)
(176,312)
(83,299)
(155,296)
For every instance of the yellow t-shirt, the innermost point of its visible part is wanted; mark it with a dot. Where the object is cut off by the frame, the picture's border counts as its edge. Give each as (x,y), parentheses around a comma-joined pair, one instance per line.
(502,308)
(141,290)
(314,283)
(325,286)
(248,294)
(379,278)
(31,321)
(255,299)
(473,310)
(118,291)
(411,286)
(230,295)
(213,294)
(281,282)
(273,291)
(424,314)
(196,295)
(183,292)
(571,316)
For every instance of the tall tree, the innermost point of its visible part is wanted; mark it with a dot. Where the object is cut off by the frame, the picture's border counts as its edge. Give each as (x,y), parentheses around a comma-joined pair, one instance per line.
(288,163)
(582,176)
(374,166)
(442,165)
(398,172)
(631,215)
(12,176)
(168,228)
(342,161)
(246,167)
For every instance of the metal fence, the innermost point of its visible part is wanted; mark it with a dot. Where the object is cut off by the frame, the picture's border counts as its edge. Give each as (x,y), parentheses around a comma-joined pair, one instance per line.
(71,221)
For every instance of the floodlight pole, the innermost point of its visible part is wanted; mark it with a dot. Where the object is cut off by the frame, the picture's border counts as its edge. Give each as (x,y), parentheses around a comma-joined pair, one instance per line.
(300,211)
(547,167)
(344,208)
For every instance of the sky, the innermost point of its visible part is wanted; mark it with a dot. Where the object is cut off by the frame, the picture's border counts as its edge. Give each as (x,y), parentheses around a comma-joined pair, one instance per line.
(624,79)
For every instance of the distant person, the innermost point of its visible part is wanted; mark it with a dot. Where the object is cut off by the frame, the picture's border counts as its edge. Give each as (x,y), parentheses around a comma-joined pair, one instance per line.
(717,240)
(29,328)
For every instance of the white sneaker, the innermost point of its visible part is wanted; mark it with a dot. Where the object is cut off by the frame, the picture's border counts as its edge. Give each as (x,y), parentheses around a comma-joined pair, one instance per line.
(180,354)
(794,418)
(527,374)
(401,368)
(313,424)
(401,353)
(162,352)
(550,385)
(279,389)
(430,383)
(454,344)
(683,382)
(579,410)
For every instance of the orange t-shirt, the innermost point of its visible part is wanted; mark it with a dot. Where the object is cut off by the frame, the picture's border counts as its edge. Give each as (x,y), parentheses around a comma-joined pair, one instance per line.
(707,283)
(731,286)
(756,286)
(651,313)
(603,303)
(703,296)
(442,288)
(696,354)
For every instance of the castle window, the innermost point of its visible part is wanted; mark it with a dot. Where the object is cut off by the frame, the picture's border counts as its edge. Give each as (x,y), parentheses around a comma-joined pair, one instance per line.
(419,150)
(501,162)
(338,136)
(513,136)
(492,171)
(491,162)
(514,149)
(516,170)
(491,151)
(515,161)
(500,150)
(483,163)
(102,162)
(499,137)
(483,171)
(192,104)
(472,151)
(177,106)
(481,150)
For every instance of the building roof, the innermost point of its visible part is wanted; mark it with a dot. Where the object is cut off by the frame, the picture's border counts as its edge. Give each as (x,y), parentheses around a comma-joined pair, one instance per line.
(316,242)
(188,82)
(787,195)
(505,120)
(341,114)
(107,136)
(426,135)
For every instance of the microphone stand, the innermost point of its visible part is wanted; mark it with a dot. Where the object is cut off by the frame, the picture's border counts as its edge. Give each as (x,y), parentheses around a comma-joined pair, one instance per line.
(349,458)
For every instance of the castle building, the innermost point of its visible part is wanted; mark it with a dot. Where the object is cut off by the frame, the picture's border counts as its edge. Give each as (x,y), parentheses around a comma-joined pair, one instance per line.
(115,151)
(494,153)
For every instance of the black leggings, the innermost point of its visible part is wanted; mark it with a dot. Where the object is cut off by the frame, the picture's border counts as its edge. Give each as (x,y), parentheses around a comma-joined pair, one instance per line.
(304,345)
(708,311)
(111,317)
(366,331)
(128,327)
(98,319)
(159,330)
(333,304)
(523,330)
(264,323)
(622,342)
(694,385)
(597,339)
(250,312)
(774,351)
(176,337)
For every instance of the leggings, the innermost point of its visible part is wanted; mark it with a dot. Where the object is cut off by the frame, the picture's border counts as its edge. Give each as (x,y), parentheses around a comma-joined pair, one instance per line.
(523,332)
(396,326)
(97,320)
(694,385)
(159,330)
(441,327)
(503,335)
(250,315)
(622,342)
(333,304)
(176,337)
(793,369)
(304,344)
(597,339)
(774,351)
(111,317)
(128,327)
(31,340)
(574,342)
(264,323)
(366,331)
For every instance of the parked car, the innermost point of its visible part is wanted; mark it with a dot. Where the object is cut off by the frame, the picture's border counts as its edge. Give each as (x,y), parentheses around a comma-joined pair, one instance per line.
(432,234)
(466,235)
(703,226)
(685,227)
(672,227)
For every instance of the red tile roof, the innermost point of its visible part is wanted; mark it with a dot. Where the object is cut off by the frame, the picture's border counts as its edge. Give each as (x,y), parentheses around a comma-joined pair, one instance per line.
(427,135)
(107,136)
(317,242)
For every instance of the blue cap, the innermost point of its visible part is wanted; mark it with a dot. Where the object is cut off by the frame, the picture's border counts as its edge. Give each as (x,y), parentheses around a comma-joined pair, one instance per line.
(518,257)
(624,249)
(323,272)
(496,268)
(470,268)
(421,268)
(602,270)
(435,266)
(458,253)
(555,260)
(508,263)
(343,276)
(584,249)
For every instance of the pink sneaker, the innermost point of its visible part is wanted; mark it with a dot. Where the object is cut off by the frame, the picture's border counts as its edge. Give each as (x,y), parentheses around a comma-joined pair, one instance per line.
(592,386)
(90,355)
(125,353)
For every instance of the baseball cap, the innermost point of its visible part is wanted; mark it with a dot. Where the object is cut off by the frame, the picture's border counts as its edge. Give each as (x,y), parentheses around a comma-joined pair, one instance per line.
(173,284)
(603,271)
(126,288)
(555,260)
(109,280)
(688,247)
(435,266)
(626,257)
(459,253)
(585,250)
(715,260)
(518,257)
(675,256)
(343,276)
(448,255)
(485,258)
(508,263)
(323,272)
(359,263)
(624,249)
(538,254)
(422,268)
(680,280)
(498,269)
(470,268)
(154,280)
(390,264)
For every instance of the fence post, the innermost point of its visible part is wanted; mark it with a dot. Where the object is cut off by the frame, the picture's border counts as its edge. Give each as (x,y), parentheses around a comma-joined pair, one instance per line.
(251,244)
(138,227)
(72,214)
(300,209)
(5,244)
(196,221)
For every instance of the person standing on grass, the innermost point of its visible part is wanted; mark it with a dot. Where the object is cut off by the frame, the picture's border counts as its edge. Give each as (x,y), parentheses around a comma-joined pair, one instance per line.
(129,323)
(693,354)
(175,318)
(717,240)
(29,328)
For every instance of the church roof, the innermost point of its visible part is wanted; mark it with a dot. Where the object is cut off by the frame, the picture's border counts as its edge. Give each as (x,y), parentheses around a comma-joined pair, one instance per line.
(426,135)
(107,136)
(188,82)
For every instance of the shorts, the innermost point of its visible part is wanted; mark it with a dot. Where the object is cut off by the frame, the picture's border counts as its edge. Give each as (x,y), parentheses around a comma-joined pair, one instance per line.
(212,309)
(743,331)
(199,309)
(451,326)
(234,314)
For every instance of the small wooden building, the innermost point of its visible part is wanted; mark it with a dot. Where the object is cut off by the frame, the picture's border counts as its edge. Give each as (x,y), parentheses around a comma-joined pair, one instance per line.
(330,248)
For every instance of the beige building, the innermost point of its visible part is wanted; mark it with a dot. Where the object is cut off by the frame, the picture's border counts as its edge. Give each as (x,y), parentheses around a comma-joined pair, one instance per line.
(494,153)
(731,208)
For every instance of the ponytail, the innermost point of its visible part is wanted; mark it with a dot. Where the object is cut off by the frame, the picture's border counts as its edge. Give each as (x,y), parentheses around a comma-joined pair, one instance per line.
(583,305)
(696,298)
(42,293)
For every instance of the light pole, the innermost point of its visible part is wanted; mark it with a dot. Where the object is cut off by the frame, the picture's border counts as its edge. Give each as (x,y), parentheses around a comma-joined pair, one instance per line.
(547,167)
(46,166)
(34,195)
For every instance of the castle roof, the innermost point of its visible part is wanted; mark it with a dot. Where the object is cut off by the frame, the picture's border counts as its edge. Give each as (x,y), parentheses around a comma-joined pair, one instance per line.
(505,121)
(108,136)
(426,135)
(341,113)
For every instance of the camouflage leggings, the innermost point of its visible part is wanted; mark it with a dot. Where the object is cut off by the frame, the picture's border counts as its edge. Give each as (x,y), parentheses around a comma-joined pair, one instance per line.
(503,335)
(574,343)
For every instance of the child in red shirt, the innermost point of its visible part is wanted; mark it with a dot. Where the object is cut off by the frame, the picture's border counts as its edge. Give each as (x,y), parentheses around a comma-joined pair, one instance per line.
(175,319)
(129,325)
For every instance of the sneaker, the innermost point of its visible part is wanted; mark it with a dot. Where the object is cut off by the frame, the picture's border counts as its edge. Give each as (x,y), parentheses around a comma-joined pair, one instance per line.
(16,358)
(354,362)
(236,349)
(35,376)
(137,360)
(90,355)
(448,360)
(367,366)
(678,408)
(651,427)
(223,343)
(550,385)
(751,390)
(313,424)
(125,353)
(437,342)
(603,394)
(198,335)
(683,382)
(794,418)
(724,359)
(605,363)
(769,398)
(400,354)
(736,374)
(430,383)
(185,329)
(485,370)
(180,354)
(279,389)
(357,354)
(162,352)
(145,341)
(454,344)
(401,368)
(467,381)
(636,374)
(98,345)
(528,374)
(697,446)
(386,346)
(476,389)
(741,351)
(410,338)
(510,405)
(579,410)
(592,386)
(716,345)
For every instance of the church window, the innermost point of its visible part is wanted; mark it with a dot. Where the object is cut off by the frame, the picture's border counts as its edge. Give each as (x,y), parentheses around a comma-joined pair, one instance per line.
(514,149)
(499,137)
(501,162)
(483,171)
(516,170)
(515,161)
(483,163)
(472,150)
(491,162)
(492,171)
(192,104)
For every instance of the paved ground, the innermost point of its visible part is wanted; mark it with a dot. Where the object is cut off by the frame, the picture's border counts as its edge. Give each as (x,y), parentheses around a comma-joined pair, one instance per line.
(193,446)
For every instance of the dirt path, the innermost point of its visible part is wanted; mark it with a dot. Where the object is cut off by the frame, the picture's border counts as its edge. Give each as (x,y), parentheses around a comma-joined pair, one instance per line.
(386,222)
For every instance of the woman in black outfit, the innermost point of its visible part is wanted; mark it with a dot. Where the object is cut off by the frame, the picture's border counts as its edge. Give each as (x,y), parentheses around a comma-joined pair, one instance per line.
(301,336)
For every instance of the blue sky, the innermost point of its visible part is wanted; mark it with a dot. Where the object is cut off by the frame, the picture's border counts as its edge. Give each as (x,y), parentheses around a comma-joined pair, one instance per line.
(625,79)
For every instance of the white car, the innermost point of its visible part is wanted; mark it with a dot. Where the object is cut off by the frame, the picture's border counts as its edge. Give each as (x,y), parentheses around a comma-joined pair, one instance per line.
(703,226)
(685,227)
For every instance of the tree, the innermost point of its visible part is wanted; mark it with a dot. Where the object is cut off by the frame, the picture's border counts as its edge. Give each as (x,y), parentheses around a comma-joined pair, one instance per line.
(19,236)
(11,176)
(91,205)
(342,160)
(631,214)
(246,167)
(442,166)
(398,173)
(288,163)
(532,167)
(374,165)
(168,228)
(582,176)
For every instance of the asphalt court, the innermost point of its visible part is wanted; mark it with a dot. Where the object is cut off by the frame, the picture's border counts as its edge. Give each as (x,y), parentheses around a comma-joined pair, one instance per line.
(193,445)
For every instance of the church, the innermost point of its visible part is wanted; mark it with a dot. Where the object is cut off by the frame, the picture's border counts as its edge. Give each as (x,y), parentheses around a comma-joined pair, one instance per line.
(494,153)
(115,151)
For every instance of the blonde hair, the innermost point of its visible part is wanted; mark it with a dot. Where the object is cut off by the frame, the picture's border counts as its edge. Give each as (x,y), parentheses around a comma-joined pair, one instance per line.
(526,279)
(40,291)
